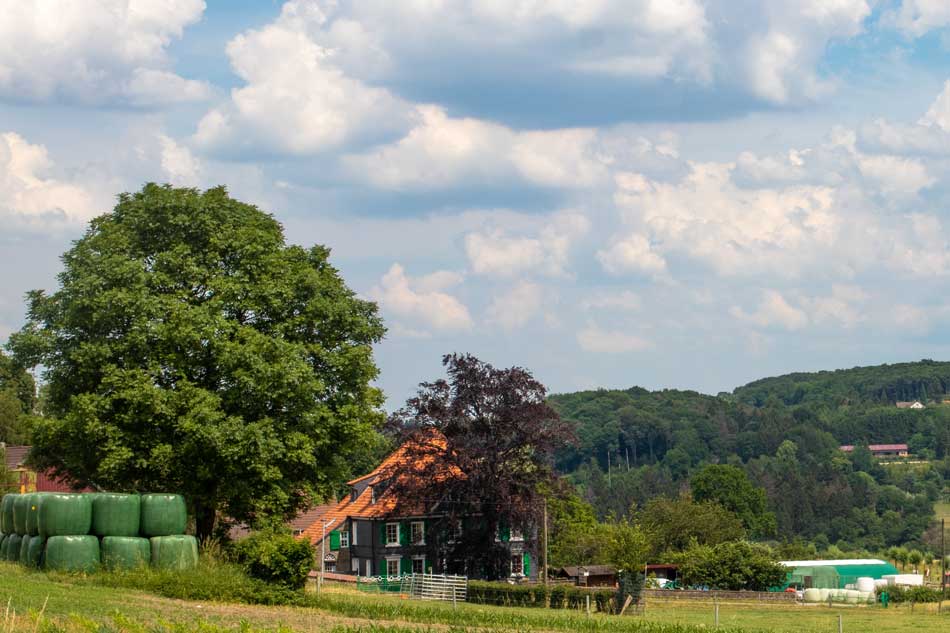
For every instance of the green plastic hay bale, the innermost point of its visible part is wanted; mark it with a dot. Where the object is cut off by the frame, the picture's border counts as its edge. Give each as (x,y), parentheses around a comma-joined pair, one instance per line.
(6,513)
(72,553)
(33,513)
(3,542)
(65,514)
(20,505)
(116,514)
(174,552)
(163,515)
(24,557)
(34,556)
(125,552)
(12,548)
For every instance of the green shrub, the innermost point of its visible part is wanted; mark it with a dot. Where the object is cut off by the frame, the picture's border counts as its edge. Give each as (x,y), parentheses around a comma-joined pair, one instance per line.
(556,596)
(276,557)
(914,594)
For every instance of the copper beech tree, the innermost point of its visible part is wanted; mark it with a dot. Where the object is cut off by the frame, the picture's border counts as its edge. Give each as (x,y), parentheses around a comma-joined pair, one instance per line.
(478,453)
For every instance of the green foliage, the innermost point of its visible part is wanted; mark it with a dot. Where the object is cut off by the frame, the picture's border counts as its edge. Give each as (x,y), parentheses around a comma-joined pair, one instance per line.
(898,595)
(189,349)
(576,538)
(674,524)
(729,486)
(17,402)
(734,566)
(554,597)
(276,557)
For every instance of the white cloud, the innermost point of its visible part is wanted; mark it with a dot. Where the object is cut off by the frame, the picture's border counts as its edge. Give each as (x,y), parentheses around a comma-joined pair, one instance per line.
(634,253)
(180,166)
(844,306)
(95,52)
(773,311)
(939,112)
(496,253)
(916,17)
(29,196)
(420,302)
(895,174)
(594,339)
(623,301)
(514,308)
(297,99)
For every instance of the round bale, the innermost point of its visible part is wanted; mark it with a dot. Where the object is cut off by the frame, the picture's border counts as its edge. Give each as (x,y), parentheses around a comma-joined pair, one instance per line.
(12,548)
(64,514)
(116,514)
(163,515)
(20,506)
(6,514)
(72,553)
(35,552)
(178,552)
(125,552)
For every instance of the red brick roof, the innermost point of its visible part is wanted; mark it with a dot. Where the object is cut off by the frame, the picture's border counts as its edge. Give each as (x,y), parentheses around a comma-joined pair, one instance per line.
(847,448)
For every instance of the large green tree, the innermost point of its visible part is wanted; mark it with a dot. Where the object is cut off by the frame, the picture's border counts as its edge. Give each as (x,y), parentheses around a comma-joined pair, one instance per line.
(17,401)
(190,349)
(729,486)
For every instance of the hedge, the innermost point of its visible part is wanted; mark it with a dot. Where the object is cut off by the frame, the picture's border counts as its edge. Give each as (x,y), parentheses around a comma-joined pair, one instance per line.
(554,596)
(913,594)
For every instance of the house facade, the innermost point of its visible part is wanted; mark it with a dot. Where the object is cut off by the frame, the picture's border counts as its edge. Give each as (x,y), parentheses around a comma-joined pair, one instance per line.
(362,536)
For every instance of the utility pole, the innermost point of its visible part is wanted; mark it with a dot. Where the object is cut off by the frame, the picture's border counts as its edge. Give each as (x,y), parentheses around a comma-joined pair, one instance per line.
(943,554)
(544,561)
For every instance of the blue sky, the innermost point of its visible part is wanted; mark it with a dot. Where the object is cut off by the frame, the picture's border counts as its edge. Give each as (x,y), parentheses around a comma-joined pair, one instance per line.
(666,193)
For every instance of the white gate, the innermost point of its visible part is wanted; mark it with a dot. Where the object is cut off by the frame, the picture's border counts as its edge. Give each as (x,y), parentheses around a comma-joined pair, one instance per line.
(435,587)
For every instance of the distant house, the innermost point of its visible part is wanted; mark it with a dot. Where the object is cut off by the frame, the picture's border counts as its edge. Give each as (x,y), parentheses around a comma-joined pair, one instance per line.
(910,405)
(588,575)
(882,450)
(362,536)
(27,480)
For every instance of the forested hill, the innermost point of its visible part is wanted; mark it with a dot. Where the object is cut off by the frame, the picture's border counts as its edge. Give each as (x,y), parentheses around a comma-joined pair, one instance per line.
(785,432)
(925,380)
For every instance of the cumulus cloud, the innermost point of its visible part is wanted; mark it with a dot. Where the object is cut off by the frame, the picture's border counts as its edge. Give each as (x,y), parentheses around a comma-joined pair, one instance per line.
(422,300)
(514,308)
(634,253)
(601,341)
(915,18)
(296,98)
(179,164)
(623,301)
(102,51)
(497,253)
(773,311)
(30,195)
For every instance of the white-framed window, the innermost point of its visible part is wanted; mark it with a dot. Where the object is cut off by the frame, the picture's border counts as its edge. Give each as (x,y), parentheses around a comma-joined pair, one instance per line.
(418,564)
(344,539)
(392,534)
(355,565)
(417,533)
(369,567)
(354,530)
(392,567)
(517,565)
(517,535)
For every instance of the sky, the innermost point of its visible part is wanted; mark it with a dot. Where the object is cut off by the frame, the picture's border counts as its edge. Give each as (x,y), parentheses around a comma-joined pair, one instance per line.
(667,193)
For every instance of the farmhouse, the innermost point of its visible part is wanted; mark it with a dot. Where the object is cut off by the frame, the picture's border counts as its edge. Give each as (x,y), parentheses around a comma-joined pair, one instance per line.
(362,536)
(881,450)
(25,479)
(910,405)
(588,575)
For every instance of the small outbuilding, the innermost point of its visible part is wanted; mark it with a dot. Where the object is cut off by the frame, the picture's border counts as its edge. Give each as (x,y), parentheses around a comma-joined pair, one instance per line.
(588,575)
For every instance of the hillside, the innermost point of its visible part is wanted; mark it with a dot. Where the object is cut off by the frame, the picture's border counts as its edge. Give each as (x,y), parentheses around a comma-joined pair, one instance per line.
(925,380)
(635,444)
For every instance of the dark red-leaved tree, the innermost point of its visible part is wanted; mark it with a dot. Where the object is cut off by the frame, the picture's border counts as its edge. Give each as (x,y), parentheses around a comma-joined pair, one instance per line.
(478,453)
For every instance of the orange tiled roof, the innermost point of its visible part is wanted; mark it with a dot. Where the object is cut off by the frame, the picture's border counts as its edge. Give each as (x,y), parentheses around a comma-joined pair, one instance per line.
(363,507)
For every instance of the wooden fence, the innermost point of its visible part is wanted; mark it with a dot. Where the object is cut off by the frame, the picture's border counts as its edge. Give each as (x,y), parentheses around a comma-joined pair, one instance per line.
(747,596)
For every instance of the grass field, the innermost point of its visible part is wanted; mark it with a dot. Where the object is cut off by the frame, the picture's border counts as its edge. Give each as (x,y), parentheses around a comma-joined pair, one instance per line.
(942,510)
(78,604)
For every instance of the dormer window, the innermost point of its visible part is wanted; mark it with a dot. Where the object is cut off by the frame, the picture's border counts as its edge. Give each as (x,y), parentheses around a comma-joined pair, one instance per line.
(372,494)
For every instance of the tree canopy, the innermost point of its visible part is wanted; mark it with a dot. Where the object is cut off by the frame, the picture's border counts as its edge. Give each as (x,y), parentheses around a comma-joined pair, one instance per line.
(479,444)
(188,348)
(17,401)
(729,486)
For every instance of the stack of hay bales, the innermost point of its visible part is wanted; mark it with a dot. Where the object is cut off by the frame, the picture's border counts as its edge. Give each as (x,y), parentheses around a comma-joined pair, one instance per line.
(81,532)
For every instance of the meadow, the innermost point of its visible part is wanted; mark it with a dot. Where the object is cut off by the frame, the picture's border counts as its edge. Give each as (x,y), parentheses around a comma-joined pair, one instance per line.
(52,603)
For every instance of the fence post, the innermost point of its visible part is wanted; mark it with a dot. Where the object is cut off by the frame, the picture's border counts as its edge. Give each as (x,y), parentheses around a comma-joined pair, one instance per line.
(717,615)
(454,603)
(588,605)
(840,627)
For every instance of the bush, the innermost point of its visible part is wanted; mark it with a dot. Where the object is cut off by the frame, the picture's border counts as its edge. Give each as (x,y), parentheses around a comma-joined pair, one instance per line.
(555,597)
(913,594)
(276,557)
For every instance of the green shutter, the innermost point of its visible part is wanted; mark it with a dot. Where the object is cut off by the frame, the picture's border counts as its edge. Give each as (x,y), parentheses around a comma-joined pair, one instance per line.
(405,565)
(382,568)
(504,533)
(382,533)
(526,561)
(334,540)
(404,533)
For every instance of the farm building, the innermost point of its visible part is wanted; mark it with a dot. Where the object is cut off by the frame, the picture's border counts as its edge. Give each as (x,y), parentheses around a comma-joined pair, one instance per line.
(835,574)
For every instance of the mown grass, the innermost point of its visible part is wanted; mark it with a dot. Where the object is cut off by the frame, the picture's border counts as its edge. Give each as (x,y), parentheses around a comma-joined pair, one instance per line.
(130,603)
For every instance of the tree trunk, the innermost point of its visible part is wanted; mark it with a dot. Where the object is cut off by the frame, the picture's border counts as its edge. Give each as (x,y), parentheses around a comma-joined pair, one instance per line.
(205,516)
